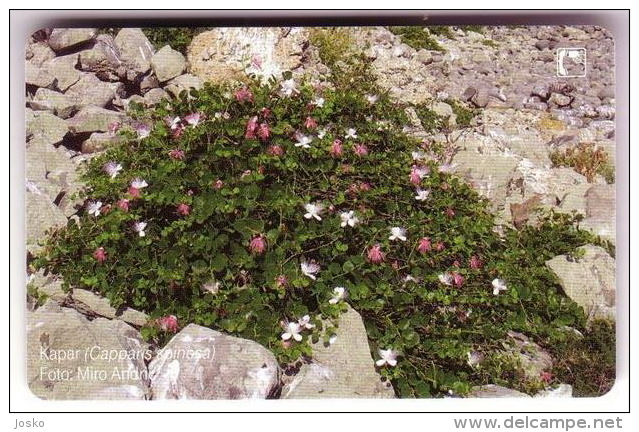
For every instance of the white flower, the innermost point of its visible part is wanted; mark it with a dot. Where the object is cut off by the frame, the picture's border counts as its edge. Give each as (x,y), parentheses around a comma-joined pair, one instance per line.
(112,168)
(397,233)
(410,278)
(371,98)
(321,133)
(351,133)
(289,87)
(319,102)
(93,207)
(418,155)
(388,357)
(305,322)
(498,285)
(139,228)
(313,211)
(348,218)
(292,330)
(212,287)
(446,279)
(139,183)
(338,294)
(422,194)
(332,339)
(310,269)
(303,141)
(174,122)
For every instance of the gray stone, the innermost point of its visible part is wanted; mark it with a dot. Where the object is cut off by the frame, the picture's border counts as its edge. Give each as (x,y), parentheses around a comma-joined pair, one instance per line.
(99,141)
(226,367)
(41,215)
(155,96)
(103,59)
(148,83)
(495,391)
(533,359)
(62,38)
(49,286)
(588,280)
(59,104)
(38,53)
(601,211)
(46,126)
(561,391)
(89,90)
(183,82)
(560,100)
(90,303)
(93,119)
(38,76)
(542,44)
(424,56)
(343,369)
(167,63)
(63,69)
(135,50)
(64,359)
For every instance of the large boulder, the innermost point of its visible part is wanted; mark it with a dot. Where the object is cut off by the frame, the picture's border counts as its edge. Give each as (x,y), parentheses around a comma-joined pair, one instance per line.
(200,363)
(89,90)
(93,119)
(225,54)
(46,126)
(66,38)
(38,76)
(589,280)
(41,215)
(167,63)
(532,358)
(63,69)
(135,51)
(99,141)
(183,82)
(70,357)
(57,103)
(103,59)
(38,52)
(601,211)
(343,369)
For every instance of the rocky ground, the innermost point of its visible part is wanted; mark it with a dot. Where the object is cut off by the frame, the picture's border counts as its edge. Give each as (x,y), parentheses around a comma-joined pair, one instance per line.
(79,84)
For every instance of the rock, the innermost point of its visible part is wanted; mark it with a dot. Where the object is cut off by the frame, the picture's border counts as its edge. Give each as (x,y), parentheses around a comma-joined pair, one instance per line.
(167,63)
(424,56)
(99,141)
(495,391)
(89,90)
(103,59)
(344,369)
(480,57)
(37,76)
(93,119)
(45,126)
(135,51)
(542,44)
(59,104)
(183,82)
(533,359)
(49,286)
(149,83)
(562,391)
(92,304)
(225,54)
(61,38)
(64,359)
(601,212)
(155,96)
(560,100)
(588,280)
(41,215)
(220,367)
(64,71)
(38,53)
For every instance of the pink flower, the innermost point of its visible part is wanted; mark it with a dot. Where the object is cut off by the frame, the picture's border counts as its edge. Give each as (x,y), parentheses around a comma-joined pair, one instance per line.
(244,94)
(251,128)
(194,118)
(142,130)
(265,112)
(124,204)
(375,254)
(450,212)
(177,131)
(475,262)
(100,254)
(264,132)
(458,279)
(134,192)
(219,184)
(172,122)
(364,186)
(309,123)
(360,149)
(424,245)
(183,209)
(168,323)
(177,154)
(439,246)
(336,148)
(281,281)
(275,150)
(417,173)
(545,376)
(113,127)
(256,62)
(258,244)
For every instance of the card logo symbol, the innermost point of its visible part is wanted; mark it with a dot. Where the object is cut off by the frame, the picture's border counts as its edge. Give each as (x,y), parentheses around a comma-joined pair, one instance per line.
(571,62)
